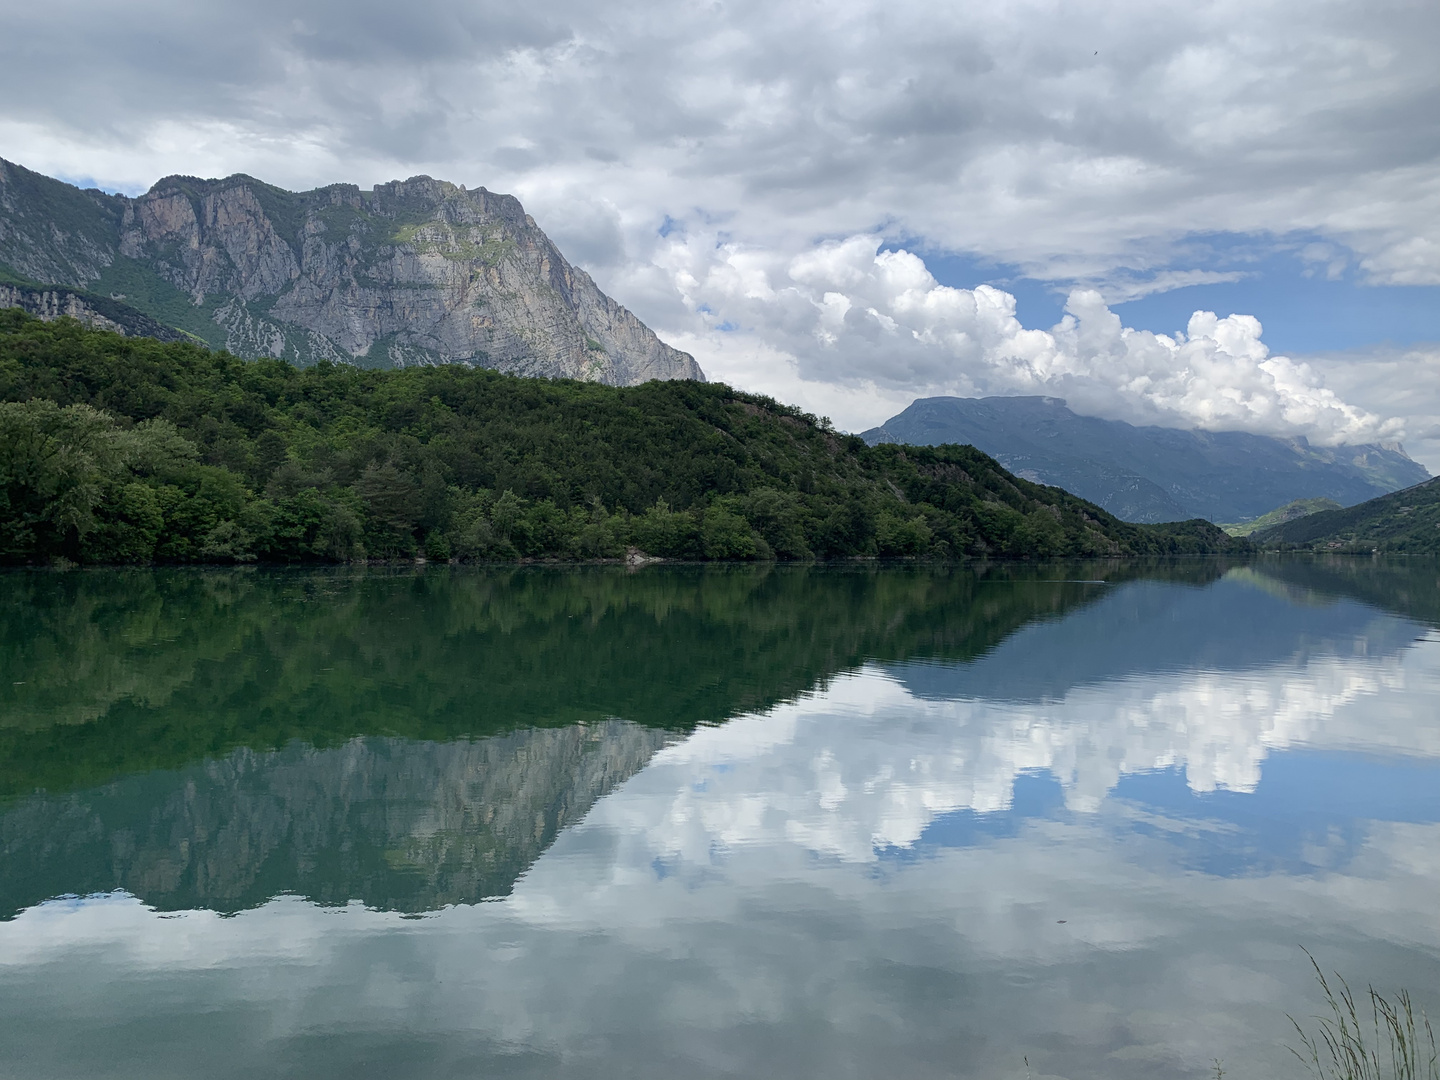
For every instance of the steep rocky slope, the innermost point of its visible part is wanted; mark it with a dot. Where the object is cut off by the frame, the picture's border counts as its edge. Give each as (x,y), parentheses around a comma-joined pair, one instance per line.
(96,312)
(413,272)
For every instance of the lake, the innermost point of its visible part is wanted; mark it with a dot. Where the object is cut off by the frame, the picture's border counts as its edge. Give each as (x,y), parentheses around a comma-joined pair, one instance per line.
(1050,820)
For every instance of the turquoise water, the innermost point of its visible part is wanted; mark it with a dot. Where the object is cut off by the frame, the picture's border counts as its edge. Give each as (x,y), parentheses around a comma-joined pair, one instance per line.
(1070,820)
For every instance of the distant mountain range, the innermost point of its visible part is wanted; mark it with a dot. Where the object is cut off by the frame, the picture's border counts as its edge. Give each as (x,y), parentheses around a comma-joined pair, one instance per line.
(418,271)
(1151,474)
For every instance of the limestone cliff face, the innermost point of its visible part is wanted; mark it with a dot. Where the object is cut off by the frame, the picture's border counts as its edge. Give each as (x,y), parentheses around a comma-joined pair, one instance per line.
(415,271)
(96,312)
(399,824)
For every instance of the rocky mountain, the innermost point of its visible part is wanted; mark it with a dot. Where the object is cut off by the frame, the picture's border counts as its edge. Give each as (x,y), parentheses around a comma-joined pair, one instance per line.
(95,311)
(1152,474)
(417,271)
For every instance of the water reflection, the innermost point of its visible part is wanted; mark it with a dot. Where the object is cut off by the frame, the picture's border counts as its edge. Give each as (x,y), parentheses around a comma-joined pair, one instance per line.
(397,823)
(941,824)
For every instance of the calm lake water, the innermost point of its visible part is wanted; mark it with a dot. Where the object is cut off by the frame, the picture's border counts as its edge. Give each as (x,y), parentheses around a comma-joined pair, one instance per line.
(689,822)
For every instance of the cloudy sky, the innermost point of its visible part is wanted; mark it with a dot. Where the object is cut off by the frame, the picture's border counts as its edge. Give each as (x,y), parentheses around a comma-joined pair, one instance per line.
(854,203)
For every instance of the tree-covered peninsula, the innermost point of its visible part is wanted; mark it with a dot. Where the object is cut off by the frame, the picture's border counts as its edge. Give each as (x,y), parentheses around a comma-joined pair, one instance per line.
(130,450)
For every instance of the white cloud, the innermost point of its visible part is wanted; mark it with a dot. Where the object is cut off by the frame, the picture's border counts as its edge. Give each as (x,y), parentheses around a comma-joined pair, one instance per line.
(1081,141)
(846,314)
(1392,381)
(1118,290)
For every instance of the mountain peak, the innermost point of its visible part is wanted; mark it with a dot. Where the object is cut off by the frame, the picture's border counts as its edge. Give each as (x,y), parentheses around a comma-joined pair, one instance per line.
(415,271)
(1152,473)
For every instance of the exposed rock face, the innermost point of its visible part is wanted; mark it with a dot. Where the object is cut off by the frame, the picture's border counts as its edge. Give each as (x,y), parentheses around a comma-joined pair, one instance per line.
(399,824)
(415,271)
(96,312)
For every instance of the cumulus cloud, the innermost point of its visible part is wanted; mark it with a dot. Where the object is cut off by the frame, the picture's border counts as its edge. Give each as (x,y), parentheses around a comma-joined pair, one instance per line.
(1077,142)
(847,312)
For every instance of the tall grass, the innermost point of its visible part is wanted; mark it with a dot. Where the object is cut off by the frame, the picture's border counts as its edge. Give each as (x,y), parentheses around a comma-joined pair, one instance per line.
(1394,1043)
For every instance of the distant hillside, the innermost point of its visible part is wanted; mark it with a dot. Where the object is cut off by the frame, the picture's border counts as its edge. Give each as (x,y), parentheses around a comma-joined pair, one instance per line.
(1151,473)
(417,271)
(1405,521)
(1289,512)
(126,450)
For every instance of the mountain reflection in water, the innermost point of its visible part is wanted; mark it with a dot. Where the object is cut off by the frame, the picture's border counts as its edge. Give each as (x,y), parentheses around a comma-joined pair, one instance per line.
(801,822)
(212,740)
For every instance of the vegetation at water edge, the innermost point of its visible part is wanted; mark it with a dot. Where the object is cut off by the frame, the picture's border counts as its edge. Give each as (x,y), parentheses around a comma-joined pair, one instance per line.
(1390,1043)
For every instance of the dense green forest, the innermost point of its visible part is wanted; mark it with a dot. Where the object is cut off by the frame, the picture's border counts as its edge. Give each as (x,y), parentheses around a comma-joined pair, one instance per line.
(131,450)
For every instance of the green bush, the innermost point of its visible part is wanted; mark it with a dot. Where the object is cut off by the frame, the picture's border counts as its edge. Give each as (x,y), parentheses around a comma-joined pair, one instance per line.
(726,535)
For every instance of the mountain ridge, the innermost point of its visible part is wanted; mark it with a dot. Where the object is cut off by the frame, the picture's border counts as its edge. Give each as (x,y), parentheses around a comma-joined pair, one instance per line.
(1152,474)
(417,271)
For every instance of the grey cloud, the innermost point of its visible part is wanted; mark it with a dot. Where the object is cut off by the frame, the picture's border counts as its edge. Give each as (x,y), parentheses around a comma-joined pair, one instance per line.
(374,31)
(808,101)
(1069,141)
(1397,381)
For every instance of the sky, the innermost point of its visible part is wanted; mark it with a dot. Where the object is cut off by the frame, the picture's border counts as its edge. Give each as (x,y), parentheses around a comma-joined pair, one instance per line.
(1218,214)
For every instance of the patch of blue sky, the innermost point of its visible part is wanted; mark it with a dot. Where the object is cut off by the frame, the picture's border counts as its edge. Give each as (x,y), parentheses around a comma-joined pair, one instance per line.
(1310,294)
(1311,812)
(87,183)
(1036,795)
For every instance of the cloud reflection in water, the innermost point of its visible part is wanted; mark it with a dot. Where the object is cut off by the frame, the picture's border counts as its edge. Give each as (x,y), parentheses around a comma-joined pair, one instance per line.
(871,880)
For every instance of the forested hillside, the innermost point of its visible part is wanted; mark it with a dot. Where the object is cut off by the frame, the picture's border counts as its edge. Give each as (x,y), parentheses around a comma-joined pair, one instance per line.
(116,449)
(1405,522)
